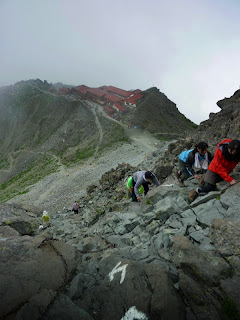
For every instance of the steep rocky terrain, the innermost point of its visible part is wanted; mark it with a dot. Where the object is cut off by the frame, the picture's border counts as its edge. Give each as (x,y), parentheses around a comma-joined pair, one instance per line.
(225,123)
(45,136)
(42,133)
(159,115)
(163,258)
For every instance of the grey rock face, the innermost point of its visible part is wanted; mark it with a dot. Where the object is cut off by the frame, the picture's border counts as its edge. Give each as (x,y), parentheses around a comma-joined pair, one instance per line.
(29,266)
(225,235)
(118,284)
(162,258)
(22,219)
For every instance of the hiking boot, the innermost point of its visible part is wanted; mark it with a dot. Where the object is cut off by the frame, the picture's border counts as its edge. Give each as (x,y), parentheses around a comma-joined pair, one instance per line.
(192,195)
(181,183)
(202,182)
(177,175)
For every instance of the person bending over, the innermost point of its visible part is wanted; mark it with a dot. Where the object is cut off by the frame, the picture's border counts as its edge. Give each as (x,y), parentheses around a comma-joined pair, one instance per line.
(141,178)
(227,156)
(193,162)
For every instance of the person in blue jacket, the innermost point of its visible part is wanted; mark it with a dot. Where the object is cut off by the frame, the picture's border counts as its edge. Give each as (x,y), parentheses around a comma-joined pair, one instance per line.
(193,162)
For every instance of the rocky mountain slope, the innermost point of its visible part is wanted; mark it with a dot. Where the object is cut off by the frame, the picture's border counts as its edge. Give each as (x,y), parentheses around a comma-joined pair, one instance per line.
(159,115)
(44,135)
(225,123)
(163,258)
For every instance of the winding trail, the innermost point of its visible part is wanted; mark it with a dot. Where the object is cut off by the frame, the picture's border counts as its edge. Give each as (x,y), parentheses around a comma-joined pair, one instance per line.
(62,188)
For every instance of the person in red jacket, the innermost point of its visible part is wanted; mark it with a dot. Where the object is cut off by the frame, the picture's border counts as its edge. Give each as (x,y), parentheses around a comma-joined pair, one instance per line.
(227,156)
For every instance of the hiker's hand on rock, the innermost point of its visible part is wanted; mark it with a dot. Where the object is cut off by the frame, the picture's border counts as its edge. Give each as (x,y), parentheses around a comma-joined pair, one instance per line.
(138,199)
(233,182)
(196,176)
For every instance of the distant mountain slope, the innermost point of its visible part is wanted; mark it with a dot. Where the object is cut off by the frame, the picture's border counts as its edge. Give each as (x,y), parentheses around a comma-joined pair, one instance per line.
(156,113)
(40,131)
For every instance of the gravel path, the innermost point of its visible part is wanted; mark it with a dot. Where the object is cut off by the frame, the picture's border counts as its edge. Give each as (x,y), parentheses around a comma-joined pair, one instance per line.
(62,188)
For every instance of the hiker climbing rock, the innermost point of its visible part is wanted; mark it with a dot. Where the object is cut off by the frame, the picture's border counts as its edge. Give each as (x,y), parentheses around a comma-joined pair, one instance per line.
(45,216)
(75,207)
(141,180)
(45,220)
(193,162)
(226,157)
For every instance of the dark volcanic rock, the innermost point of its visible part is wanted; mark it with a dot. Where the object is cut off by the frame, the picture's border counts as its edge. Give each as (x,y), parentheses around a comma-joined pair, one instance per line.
(23,219)
(115,285)
(29,266)
(221,125)
(157,114)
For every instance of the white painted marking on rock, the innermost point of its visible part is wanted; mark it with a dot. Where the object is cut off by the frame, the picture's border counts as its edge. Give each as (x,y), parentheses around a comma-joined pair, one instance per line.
(117,269)
(134,314)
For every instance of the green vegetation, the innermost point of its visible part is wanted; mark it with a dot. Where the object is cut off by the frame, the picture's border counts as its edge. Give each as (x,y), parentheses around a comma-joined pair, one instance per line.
(112,138)
(85,153)
(4,162)
(156,113)
(162,138)
(20,183)
(71,157)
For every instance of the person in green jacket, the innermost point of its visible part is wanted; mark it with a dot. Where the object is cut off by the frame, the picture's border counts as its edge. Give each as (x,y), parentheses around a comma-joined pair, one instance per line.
(139,183)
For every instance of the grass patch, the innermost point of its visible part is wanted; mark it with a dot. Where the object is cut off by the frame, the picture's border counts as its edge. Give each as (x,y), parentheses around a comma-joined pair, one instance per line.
(84,154)
(4,162)
(20,183)
(113,137)
(162,138)
(78,156)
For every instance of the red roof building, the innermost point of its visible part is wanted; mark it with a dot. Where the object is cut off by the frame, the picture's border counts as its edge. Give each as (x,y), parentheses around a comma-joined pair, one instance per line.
(62,91)
(134,99)
(120,107)
(96,95)
(117,91)
(82,89)
(96,92)
(112,98)
(109,109)
(136,91)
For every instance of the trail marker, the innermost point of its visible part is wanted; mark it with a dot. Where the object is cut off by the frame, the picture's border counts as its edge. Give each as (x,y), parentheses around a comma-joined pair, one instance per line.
(117,269)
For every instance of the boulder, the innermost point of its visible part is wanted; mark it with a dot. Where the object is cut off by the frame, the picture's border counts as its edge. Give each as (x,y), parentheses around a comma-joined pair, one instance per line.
(225,236)
(22,219)
(204,266)
(28,266)
(111,287)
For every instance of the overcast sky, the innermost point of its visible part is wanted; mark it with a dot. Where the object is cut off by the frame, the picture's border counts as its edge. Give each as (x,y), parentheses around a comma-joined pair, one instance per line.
(189,49)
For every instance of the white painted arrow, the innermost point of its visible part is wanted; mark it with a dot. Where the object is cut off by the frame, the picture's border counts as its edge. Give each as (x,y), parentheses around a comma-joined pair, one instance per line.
(117,269)
(134,314)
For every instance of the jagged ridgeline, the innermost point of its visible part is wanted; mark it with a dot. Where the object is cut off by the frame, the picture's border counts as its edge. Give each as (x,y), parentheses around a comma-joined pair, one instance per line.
(223,124)
(40,130)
